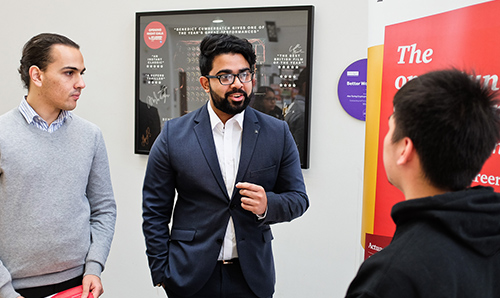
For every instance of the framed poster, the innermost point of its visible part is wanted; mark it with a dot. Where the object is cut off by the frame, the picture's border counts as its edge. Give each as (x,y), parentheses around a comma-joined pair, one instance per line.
(167,71)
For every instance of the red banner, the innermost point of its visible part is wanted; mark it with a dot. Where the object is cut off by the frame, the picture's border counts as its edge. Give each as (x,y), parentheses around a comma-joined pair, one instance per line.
(467,39)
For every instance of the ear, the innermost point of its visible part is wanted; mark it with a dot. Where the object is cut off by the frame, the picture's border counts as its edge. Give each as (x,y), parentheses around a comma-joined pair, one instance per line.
(36,75)
(205,84)
(407,151)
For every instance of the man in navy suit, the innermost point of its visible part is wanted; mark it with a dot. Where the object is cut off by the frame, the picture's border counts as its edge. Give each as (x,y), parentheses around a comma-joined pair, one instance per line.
(226,172)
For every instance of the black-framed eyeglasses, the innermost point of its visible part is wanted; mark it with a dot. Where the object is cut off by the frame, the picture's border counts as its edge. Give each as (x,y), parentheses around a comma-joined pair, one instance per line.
(228,79)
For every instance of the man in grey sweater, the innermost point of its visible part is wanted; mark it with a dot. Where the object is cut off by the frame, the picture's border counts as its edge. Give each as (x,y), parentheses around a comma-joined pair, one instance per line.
(57,208)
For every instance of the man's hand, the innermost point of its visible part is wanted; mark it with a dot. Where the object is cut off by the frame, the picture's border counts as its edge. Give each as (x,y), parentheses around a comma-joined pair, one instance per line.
(254,198)
(92,283)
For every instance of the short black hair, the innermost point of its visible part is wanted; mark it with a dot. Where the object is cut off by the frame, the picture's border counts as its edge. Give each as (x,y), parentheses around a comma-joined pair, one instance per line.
(453,121)
(216,44)
(37,52)
(303,78)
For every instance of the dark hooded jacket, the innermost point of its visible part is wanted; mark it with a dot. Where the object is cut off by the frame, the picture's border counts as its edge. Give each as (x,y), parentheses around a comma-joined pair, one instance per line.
(444,246)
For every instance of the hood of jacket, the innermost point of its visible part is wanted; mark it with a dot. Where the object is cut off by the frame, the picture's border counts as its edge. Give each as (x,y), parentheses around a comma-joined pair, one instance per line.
(471,216)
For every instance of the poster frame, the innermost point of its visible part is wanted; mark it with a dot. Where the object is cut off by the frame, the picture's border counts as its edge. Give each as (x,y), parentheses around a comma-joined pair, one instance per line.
(248,13)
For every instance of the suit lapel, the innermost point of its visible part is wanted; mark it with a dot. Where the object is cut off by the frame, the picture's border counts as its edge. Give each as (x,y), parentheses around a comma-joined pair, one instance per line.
(251,129)
(203,131)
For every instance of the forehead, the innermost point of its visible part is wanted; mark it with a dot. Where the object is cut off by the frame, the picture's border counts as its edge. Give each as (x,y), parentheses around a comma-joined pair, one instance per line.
(391,119)
(392,124)
(66,56)
(230,63)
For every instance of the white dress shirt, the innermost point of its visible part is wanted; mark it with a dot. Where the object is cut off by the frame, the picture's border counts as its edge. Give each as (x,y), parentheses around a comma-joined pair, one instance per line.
(227,139)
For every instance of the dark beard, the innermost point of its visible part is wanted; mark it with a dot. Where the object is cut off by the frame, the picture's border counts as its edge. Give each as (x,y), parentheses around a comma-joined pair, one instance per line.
(224,105)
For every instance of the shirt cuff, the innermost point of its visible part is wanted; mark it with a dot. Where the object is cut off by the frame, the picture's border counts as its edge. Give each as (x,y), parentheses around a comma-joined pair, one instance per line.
(262,216)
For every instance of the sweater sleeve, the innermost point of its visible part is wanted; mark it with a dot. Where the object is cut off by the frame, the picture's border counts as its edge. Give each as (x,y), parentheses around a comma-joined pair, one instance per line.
(102,210)
(6,288)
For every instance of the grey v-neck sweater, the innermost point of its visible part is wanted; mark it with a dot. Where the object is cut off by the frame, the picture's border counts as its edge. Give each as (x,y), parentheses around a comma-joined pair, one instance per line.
(57,209)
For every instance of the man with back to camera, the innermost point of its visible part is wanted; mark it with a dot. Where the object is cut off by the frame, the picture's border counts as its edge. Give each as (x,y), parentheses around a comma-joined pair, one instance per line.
(236,171)
(295,115)
(57,208)
(444,127)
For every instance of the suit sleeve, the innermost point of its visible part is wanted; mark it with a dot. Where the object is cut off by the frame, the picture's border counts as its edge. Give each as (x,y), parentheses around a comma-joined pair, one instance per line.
(288,200)
(158,200)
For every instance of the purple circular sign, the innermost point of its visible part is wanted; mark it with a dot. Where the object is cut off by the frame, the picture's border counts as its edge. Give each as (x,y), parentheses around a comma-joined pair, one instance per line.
(352,89)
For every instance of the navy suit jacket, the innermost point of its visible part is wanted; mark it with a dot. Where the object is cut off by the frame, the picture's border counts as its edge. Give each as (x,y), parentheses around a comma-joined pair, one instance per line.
(183,159)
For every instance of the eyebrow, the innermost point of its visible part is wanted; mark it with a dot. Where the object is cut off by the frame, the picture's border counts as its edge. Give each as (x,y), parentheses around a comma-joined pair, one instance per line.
(228,71)
(73,68)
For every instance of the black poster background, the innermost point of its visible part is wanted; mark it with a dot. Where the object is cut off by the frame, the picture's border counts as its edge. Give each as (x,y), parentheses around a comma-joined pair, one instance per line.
(167,78)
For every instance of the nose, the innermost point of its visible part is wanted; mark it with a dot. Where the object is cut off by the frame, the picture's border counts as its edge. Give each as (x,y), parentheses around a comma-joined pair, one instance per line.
(80,84)
(237,83)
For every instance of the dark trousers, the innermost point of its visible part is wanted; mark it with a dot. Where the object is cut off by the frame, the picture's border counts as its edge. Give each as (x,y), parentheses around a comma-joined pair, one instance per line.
(227,281)
(44,291)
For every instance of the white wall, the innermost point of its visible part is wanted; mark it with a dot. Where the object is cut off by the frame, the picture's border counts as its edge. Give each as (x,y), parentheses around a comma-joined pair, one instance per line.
(316,255)
(390,12)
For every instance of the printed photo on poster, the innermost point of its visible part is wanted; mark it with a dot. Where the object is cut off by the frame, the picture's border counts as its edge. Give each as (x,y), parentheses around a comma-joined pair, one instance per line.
(167,72)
